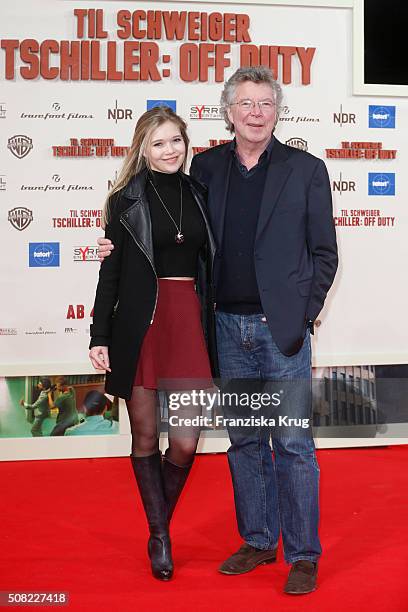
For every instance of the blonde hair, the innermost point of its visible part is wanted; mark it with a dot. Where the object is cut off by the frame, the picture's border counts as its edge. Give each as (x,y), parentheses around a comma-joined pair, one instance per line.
(136,160)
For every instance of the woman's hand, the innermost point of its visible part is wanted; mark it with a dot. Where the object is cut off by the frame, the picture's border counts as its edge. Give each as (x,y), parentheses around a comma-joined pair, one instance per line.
(105,247)
(99,357)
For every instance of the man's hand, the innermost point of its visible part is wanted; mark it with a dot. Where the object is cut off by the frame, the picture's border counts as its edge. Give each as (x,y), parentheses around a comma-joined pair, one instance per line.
(105,247)
(99,357)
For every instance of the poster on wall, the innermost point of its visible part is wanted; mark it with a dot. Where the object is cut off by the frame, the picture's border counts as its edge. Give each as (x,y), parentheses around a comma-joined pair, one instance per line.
(74,80)
(43,406)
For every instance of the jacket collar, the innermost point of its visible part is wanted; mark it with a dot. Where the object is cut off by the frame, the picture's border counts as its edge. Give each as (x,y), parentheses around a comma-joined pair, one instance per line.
(136,186)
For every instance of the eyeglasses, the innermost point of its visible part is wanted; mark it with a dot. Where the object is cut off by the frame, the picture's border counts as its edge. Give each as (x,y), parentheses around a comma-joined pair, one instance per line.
(265,106)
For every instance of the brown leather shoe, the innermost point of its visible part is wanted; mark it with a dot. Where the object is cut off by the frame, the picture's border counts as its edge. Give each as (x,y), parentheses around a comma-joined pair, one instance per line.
(302,578)
(246,559)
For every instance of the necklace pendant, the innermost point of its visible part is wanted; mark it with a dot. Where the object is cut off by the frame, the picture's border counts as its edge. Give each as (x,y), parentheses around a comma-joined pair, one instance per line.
(179,238)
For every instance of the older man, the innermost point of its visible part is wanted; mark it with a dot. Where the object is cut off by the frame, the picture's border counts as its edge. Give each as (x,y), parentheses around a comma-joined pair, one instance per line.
(271,213)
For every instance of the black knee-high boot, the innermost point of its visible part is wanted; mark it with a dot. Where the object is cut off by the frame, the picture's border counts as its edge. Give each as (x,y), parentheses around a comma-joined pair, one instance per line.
(148,473)
(174,479)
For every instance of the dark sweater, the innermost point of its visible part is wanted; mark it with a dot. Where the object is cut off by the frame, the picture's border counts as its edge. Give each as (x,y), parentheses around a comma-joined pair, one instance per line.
(171,258)
(237,287)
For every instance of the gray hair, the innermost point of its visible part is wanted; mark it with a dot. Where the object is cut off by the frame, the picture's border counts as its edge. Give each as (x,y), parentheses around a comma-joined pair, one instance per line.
(255,74)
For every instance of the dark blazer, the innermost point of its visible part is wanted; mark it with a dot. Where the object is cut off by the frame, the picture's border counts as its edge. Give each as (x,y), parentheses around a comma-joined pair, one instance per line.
(126,294)
(295,247)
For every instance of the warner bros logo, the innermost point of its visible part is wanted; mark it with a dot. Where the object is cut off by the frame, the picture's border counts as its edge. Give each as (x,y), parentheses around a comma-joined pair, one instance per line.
(20,217)
(20,145)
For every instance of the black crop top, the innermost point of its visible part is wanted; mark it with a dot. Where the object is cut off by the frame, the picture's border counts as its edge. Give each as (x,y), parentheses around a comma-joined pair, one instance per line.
(170,258)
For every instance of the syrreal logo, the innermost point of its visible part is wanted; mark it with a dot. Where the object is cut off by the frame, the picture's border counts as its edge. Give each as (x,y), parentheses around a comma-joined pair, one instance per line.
(44,255)
(206,112)
(119,113)
(343,185)
(170,103)
(381,116)
(381,184)
(86,253)
(343,118)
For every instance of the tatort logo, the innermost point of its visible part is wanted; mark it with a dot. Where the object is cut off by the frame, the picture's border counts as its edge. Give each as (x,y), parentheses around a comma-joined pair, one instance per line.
(297,143)
(343,185)
(381,116)
(20,217)
(170,103)
(206,112)
(44,254)
(344,118)
(3,182)
(119,113)
(86,253)
(20,145)
(2,110)
(381,184)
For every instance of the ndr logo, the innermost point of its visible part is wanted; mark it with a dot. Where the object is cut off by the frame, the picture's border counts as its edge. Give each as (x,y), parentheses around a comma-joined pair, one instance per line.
(44,254)
(119,113)
(343,117)
(170,103)
(343,185)
(381,184)
(381,116)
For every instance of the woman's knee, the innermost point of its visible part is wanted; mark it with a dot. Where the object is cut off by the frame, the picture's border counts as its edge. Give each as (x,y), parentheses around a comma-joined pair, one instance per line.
(181,451)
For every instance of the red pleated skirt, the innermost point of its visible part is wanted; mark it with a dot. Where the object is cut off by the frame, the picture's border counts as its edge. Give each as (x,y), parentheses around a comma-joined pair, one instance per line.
(174,353)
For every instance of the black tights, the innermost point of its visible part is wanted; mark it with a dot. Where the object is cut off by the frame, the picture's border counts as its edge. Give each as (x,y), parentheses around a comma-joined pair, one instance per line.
(144,424)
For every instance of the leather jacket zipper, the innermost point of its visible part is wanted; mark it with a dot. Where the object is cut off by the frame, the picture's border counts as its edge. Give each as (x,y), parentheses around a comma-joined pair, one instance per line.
(129,229)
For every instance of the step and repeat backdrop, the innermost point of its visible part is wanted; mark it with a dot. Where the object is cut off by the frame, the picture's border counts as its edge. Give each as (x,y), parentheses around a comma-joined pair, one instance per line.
(75,77)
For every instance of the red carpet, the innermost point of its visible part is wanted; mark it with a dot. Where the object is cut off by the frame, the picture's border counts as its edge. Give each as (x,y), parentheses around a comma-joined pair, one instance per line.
(78,526)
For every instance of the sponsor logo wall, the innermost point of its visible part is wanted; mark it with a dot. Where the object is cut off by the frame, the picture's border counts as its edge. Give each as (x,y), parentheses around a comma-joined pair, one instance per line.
(65,134)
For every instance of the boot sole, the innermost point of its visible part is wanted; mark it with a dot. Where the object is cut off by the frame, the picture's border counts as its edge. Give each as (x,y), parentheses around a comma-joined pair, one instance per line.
(232,573)
(300,593)
(164,579)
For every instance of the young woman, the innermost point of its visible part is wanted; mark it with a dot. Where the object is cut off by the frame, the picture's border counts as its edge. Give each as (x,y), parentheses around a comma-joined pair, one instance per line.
(148,324)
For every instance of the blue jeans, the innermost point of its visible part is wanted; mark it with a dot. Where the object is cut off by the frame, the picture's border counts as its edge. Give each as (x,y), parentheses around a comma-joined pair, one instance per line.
(280,494)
